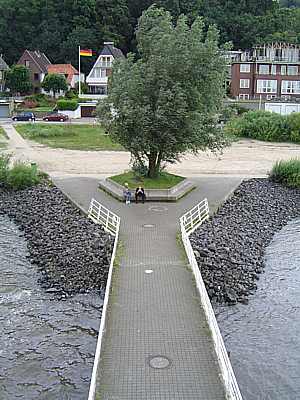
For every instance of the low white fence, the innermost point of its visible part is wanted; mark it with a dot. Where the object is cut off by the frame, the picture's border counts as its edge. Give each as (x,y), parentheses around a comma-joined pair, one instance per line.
(188,223)
(111,223)
(195,217)
(102,215)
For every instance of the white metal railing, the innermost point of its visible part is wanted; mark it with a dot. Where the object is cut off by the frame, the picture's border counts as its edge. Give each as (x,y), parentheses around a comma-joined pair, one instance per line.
(195,217)
(111,223)
(191,221)
(102,215)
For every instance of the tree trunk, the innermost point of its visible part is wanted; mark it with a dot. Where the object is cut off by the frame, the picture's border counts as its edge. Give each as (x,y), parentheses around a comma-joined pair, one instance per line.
(152,171)
(155,159)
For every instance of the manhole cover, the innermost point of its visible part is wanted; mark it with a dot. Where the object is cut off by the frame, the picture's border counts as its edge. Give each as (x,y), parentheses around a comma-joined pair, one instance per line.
(148,226)
(158,208)
(159,362)
(148,271)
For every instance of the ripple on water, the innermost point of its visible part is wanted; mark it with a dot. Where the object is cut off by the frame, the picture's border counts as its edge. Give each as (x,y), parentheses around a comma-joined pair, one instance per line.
(49,345)
(263,337)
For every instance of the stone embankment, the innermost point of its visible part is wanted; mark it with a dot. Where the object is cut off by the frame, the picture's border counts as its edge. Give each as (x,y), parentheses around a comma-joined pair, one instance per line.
(71,252)
(229,248)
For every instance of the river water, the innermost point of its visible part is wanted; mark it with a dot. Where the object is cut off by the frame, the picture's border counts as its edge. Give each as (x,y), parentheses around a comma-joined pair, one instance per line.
(263,337)
(47,346)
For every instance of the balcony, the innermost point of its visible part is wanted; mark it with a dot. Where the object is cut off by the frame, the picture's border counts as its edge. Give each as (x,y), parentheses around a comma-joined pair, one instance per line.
(92,96)
(104,64)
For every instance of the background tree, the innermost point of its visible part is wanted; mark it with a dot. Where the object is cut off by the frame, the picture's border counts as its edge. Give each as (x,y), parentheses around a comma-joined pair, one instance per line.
(57,27)
(18,79)
(54,83)
(166,102)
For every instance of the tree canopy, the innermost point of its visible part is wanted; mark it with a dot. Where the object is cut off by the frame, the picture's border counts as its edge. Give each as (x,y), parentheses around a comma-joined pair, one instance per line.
(54,83)
(166,102)
(18,79)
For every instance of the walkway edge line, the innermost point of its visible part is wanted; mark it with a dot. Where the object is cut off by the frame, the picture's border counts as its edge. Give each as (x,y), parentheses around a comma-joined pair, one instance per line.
(186,221)
(92,390)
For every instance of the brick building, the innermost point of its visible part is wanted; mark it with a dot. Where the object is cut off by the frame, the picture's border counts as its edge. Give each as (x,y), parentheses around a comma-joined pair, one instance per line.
(37,63)
(268,72)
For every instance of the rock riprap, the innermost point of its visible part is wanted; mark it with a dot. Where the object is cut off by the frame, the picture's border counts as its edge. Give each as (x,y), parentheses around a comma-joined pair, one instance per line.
(71,252)
(229,247)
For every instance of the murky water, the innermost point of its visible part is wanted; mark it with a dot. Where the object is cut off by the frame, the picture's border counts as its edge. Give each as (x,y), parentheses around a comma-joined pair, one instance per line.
(47,346)
(263,337)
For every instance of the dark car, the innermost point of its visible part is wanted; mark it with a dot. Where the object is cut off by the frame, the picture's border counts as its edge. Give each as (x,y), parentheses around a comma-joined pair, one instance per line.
(24,116)
(55,116)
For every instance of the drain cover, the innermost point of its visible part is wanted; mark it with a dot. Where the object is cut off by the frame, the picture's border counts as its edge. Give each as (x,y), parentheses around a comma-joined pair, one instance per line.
(159,362)
(158,208)
(148,226)
(148,271)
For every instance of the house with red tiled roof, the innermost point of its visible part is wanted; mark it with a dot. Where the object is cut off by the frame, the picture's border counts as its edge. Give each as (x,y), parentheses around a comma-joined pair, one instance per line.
(68,71)
(37,63)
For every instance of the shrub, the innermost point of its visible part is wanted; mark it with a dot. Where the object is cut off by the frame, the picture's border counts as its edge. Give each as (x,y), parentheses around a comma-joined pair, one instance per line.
(4,168)
(261,125)
(40,99)
(70,105)
(71,94)
(21,176)
(293,122)
(30,103)
(287,172)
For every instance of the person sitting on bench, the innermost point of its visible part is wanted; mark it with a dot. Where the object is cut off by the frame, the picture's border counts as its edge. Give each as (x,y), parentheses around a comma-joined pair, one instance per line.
(127,193)
(140,194)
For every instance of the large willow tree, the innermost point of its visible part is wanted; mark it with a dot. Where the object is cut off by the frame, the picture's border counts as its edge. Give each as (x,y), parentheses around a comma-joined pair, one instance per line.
(166,102)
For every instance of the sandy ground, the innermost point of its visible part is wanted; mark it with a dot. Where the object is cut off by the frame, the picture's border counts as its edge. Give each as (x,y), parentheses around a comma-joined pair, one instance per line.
(243,158)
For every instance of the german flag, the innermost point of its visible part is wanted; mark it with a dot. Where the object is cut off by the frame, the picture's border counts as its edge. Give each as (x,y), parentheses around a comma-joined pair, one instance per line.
(86,53)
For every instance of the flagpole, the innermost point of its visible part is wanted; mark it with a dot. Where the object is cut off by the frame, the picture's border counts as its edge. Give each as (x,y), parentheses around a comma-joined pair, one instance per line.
(79,85)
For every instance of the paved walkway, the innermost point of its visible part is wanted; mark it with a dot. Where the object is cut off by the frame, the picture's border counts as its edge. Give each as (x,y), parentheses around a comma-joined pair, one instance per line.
(155,314)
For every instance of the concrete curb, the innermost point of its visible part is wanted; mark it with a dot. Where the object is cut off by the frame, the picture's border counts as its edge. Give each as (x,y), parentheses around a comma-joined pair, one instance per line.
(162,195)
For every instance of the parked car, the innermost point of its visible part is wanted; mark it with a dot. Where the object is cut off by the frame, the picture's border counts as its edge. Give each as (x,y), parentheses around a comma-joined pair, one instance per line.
(24,116)
(55,116)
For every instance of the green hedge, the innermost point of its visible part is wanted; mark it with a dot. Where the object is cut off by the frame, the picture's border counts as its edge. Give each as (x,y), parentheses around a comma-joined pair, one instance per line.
(287,172)
(70,105)
(264,125)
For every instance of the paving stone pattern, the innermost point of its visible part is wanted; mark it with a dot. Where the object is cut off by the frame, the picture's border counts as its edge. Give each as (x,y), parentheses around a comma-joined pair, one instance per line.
(158,313)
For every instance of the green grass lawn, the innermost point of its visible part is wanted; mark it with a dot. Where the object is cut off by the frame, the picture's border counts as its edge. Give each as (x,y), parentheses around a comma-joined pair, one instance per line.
(164,181)
(38,109)
(68,136)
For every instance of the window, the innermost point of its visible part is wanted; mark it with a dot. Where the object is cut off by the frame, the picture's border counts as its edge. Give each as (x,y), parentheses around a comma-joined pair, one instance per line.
(36,77)
(99,73)
(244,83)
(266,86)
(270,96)
(244,96)
(1,75)
(98,89)
(264,69)
(27,63)
(292,70)
(283,70)
(292,87)
(244,67)
(273,69)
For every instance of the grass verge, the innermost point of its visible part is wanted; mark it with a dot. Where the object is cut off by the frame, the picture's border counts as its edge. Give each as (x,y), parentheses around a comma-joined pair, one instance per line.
(3,137)
(37,109)
(164,180)
(69,136)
